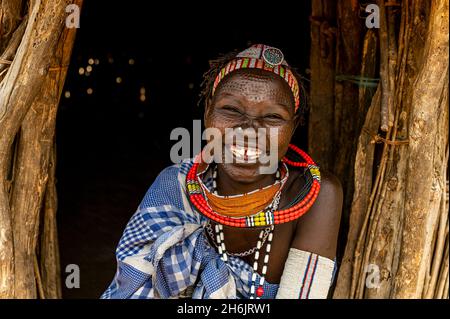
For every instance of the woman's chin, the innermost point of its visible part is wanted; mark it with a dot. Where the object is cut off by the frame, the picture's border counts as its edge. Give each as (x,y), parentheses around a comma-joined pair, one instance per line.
(243,172)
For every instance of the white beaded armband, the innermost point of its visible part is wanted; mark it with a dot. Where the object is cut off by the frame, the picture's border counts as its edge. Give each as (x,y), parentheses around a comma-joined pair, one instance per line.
(306,276)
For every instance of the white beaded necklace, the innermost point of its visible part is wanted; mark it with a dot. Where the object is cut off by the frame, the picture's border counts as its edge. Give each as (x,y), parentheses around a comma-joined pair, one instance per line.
(267,233)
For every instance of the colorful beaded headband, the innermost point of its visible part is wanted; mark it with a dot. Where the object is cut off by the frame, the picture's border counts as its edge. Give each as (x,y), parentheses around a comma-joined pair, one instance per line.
(264,57)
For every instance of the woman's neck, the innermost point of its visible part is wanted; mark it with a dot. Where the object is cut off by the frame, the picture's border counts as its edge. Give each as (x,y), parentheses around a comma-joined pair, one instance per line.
(227,186)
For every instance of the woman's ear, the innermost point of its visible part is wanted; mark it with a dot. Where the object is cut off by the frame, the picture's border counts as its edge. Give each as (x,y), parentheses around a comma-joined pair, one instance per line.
(208,103)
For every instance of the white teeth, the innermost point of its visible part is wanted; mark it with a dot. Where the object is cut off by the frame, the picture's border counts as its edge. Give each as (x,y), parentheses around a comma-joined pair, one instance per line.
(240,152)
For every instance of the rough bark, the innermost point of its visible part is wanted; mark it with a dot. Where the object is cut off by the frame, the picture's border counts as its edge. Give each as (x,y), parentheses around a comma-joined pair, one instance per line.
(361,197)
(49,248)
(322,62)
(335,118)
(400,227)
(428,140)
(348,63)
(29,96)
(10,16)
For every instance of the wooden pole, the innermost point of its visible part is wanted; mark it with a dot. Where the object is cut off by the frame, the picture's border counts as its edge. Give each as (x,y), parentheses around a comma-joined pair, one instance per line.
(400,228)
(29,97)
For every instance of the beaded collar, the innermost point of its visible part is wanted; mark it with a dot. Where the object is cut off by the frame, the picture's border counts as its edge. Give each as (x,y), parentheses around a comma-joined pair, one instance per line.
(247,204)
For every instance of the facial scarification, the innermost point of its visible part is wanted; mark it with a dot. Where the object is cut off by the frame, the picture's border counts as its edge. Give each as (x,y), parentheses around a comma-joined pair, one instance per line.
(257,86)
(252,99)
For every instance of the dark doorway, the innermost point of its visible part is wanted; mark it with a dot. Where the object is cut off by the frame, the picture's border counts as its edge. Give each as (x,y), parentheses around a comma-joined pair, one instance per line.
(134,76)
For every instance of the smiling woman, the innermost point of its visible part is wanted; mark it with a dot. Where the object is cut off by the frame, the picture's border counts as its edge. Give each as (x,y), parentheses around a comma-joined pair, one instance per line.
(225,229)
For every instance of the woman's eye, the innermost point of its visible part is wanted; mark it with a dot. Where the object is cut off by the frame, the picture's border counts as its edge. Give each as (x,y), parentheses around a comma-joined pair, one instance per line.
(231,109)
(273,117)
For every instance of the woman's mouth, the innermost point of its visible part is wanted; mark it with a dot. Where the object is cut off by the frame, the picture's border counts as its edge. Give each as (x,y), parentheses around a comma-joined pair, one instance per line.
(244,153)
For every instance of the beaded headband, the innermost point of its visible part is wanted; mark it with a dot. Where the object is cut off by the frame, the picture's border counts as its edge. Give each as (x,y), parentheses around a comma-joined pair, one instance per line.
(264,57)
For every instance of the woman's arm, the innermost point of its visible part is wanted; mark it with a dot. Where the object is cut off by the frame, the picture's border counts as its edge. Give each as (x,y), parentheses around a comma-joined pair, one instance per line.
(317,231)
(310,266)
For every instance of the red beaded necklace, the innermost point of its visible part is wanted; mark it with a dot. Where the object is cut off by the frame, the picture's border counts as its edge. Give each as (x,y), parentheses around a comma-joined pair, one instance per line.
(263,218)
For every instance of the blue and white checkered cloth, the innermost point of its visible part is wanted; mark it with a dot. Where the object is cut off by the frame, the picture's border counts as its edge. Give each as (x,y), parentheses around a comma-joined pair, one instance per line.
(164,251)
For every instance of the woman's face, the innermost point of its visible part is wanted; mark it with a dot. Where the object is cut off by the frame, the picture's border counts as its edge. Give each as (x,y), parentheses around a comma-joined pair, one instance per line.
(252,99)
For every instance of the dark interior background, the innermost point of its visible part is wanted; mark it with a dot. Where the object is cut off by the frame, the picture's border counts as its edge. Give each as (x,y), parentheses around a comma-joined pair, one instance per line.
(111,144)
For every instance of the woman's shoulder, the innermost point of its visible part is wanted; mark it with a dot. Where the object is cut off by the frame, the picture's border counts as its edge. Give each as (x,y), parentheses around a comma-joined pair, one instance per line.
(330,186)
(330,183)
(177,168)
(174,171)
(168,186)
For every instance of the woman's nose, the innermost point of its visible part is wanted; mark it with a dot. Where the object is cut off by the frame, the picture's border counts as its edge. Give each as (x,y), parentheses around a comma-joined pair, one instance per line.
(252,122)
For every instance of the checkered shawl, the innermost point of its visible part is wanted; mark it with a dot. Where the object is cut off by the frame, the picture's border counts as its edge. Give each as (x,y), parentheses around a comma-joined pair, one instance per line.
(164,252)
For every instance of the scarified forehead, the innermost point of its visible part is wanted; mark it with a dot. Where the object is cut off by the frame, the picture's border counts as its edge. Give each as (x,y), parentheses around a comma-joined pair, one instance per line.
(256,86)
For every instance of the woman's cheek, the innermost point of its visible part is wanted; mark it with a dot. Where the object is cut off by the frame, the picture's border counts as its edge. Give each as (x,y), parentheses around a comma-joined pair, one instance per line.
(217,125)
(220,123)
(284,138)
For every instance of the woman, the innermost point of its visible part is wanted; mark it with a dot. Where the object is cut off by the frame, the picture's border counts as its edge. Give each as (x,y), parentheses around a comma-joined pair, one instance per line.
(224,229)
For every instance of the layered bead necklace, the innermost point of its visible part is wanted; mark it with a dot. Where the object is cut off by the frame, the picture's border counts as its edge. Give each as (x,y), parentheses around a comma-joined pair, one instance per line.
(265,217)
(265,234)
(255,293)
(268,217)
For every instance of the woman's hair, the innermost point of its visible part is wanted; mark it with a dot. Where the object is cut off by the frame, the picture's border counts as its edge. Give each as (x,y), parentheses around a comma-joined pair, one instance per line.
(217,64)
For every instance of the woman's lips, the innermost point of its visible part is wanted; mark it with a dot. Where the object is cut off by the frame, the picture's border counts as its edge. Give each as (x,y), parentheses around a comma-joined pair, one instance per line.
(244,153)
